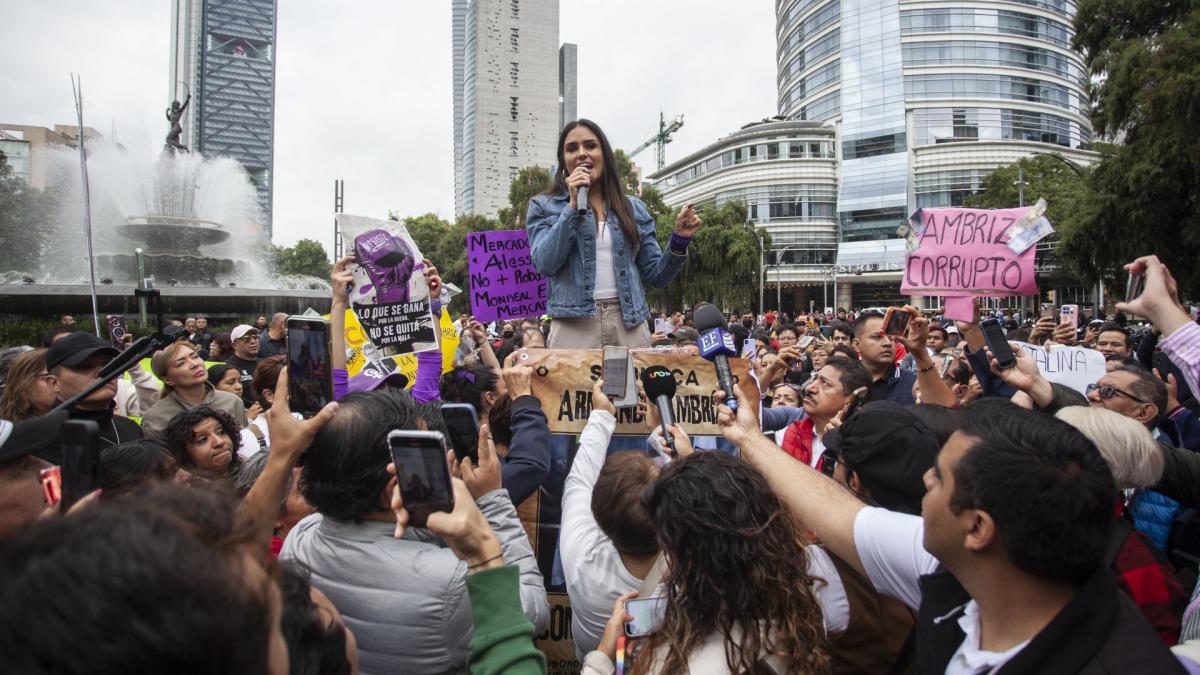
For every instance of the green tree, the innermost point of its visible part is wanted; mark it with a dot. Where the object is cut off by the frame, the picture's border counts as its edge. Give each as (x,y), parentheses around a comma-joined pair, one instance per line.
(1145,85)
(26,216)
(304,257)
(629,179)
(653,200)
(722,265)
(530,181)
(1046,177)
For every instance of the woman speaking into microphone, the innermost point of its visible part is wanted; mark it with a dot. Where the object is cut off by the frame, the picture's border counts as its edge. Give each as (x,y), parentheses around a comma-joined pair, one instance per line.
(596,245)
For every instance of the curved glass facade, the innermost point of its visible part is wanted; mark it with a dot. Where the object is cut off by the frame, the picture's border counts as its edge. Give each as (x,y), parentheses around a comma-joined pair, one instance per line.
(999,22)
(821,77)
(944,85)
(948,125)
(792,147)
(809,27)
(983,53)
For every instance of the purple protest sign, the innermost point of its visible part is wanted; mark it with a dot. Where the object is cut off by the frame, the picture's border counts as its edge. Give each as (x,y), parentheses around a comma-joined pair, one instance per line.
(504,284)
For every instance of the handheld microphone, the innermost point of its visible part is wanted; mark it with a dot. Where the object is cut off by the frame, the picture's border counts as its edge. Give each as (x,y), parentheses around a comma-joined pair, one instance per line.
(581,196)
(659,384)
(716,345)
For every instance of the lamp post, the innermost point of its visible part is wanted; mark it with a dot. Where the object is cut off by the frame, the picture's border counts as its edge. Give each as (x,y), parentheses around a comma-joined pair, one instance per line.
(779,274)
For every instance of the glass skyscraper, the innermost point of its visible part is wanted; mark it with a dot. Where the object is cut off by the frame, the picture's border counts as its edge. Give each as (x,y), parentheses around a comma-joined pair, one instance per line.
(224,52)
(929,96)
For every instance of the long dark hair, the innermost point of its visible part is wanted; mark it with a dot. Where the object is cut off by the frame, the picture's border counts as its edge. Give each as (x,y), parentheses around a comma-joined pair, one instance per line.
(737,564)
(610,180)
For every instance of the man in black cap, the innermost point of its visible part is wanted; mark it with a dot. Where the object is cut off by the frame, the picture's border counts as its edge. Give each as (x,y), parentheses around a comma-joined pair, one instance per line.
(74,362)
(881,453)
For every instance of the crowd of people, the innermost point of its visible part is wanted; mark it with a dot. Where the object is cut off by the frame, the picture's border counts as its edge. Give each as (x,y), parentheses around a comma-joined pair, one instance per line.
(891,504)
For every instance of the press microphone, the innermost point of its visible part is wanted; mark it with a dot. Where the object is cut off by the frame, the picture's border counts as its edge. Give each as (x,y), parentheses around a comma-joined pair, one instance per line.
(716,345)
(659,384)
(136,351)
(581,196)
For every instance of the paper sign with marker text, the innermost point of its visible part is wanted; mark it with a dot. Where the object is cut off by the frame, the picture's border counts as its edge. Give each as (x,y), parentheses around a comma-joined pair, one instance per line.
(965,252)
(504,283)
(1075,367)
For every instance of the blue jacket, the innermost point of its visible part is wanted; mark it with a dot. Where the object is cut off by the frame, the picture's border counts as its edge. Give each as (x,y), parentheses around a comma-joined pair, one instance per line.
(1153,515)
(527,465)
(563,246)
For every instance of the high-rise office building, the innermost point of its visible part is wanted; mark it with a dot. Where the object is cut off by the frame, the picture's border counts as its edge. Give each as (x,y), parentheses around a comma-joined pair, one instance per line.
(929,96)
(506,58)
(223,54)
(568,84)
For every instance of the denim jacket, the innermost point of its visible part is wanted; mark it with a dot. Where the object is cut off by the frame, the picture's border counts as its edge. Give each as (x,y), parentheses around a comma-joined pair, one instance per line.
(563,247)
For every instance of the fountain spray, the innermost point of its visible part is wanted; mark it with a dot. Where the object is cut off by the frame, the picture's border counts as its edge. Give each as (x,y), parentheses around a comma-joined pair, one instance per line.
(77,91)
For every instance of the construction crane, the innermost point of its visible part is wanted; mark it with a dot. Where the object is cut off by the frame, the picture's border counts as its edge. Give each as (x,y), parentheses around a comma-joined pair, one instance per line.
(661,139)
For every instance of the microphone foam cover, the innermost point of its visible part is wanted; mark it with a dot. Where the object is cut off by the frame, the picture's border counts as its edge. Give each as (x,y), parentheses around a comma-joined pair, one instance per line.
(658,381)
(707,317)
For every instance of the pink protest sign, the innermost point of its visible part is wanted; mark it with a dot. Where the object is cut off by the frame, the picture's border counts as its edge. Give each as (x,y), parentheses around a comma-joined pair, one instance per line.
(504,283)
(964,252)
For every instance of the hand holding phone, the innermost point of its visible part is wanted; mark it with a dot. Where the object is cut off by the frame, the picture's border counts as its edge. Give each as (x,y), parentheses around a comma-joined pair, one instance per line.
(81,457)
(646,615)
(997,343)
(310,379)
(1069,314)
(463,424)
(895,321)
(422,474)
(615,371)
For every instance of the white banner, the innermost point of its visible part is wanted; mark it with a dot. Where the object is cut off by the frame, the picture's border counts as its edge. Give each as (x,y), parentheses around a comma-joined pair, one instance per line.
(1076,367)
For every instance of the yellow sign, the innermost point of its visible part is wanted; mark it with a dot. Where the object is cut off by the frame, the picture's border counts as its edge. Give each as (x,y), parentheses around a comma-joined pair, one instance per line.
(358,348)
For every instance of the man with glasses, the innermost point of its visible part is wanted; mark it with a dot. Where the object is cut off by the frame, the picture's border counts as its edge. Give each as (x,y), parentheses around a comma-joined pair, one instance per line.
(245,358)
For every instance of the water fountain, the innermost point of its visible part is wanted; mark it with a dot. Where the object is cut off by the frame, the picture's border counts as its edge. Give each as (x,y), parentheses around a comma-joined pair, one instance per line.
(196,218)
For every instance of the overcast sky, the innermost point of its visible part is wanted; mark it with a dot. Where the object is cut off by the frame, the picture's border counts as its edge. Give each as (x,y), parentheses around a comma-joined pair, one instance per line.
(363,89)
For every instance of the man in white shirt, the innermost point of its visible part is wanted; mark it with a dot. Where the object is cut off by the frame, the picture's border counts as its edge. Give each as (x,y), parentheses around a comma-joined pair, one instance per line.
(1005,565)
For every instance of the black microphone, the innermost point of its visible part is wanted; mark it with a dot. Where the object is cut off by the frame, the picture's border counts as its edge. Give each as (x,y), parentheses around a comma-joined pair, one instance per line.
(716,345)
(134,352)
(659,384)
(581,196)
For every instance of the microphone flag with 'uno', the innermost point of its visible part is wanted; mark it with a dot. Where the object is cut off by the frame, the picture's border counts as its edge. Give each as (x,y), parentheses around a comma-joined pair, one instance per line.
(716,345)
(659,383)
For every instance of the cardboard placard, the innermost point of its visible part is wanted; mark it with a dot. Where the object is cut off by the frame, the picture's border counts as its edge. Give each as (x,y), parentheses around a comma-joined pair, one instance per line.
(563,381)
(504,283)
(361,354)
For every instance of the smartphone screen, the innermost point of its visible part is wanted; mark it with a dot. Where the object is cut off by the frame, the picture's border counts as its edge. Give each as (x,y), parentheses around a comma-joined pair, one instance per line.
(463,424)
(895,321)
(81,456)
(997,342)
(615,371)
(422,472)
(661,326)
(310,383)
(647,615)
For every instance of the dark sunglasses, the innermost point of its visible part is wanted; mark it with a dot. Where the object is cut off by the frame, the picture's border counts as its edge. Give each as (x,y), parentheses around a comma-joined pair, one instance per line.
(1108,391)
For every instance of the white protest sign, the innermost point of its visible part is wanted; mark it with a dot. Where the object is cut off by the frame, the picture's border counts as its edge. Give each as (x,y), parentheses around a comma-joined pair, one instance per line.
(1075,367)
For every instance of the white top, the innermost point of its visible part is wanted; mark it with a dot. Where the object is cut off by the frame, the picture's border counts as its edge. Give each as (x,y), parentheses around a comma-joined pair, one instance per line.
(594,573)
(893,554)
(606,271)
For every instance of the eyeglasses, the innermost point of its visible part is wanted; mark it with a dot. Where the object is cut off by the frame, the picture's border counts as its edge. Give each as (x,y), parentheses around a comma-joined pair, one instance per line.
(1108,391)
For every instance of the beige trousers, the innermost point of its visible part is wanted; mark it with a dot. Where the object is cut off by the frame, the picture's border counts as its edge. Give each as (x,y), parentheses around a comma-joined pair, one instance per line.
(605,329)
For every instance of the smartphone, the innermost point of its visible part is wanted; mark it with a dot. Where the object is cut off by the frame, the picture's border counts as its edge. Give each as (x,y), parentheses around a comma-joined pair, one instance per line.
(463,424)
(117,328)
(1134,287)
(997,342)
(422,472)
(895,321)
(647,615)
(310,380)
(615,371)
(80,458)
(1069,314)
(945,367)
(51,480)
(857,398)
(1048,310)
(662,326)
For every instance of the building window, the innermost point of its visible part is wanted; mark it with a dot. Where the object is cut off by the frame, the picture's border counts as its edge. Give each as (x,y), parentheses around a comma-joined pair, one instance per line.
(514,39)
(514,144)
(514,71)
(512,107)
(515,7)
